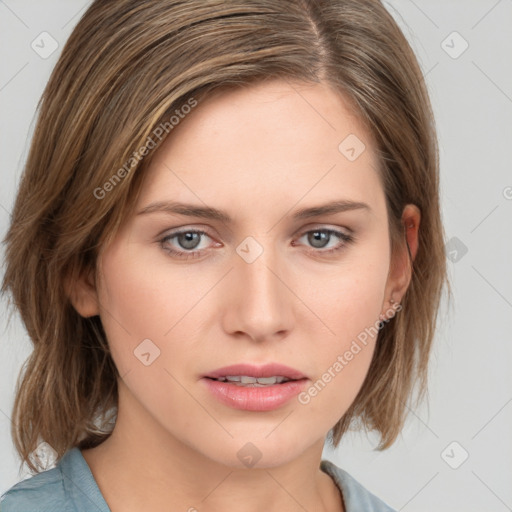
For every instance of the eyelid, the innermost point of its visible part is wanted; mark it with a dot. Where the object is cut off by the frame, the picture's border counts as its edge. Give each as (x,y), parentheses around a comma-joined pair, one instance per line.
(325,227)
(186,228)
(206,229)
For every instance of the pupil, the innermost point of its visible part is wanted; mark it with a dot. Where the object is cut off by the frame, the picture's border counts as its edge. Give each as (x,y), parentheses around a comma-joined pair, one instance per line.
(190,240)
(318,236)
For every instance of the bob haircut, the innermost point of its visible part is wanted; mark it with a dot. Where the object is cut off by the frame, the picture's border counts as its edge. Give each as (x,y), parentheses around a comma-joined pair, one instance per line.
(126,69)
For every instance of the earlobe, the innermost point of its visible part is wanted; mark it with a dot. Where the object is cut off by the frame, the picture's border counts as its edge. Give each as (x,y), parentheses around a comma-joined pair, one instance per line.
(82,294)
(401,273)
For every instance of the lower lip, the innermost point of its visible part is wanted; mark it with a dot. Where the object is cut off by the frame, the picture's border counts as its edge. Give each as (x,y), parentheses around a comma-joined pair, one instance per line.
(265,398)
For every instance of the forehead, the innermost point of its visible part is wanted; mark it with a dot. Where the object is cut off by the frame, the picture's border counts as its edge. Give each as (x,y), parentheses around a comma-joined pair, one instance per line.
(275,142)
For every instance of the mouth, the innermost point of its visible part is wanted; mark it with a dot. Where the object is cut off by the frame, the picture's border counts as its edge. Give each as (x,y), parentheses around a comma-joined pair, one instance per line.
(255,388)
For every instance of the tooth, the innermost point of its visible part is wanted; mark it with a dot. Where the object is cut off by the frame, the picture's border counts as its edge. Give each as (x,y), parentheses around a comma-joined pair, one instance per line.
(267,380)
(247,380)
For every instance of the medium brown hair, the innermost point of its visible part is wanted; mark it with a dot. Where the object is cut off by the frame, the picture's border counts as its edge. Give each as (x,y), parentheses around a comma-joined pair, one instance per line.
(127,67)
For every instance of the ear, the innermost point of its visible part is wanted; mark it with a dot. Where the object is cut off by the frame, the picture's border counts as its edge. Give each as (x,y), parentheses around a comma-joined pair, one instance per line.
(400,272)
(82,293)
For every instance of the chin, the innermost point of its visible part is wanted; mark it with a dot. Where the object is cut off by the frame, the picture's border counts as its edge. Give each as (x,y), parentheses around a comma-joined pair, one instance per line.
(261,450)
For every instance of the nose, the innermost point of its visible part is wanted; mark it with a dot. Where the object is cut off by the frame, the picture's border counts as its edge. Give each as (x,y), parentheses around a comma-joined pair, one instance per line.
(259,302)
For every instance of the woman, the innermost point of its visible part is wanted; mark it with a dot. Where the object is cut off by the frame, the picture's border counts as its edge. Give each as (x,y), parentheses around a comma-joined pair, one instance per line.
(226,248)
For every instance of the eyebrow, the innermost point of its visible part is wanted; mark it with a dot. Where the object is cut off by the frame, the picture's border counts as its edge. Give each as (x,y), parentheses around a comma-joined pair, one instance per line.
(207,212)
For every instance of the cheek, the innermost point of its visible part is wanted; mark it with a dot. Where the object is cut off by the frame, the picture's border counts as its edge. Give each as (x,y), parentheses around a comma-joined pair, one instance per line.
(136,304)
(342,364)
(349,303)
(145,309)
(349,299)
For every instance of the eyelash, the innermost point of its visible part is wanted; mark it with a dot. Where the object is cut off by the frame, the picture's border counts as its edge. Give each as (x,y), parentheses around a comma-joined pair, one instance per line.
(346,240)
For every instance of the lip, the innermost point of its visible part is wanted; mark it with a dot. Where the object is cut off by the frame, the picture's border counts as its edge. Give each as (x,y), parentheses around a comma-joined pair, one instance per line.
(251,370)
(260,399)
(265,398)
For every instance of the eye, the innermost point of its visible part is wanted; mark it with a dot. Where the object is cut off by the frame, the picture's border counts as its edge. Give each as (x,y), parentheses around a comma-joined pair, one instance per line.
(321,238)
(186,244)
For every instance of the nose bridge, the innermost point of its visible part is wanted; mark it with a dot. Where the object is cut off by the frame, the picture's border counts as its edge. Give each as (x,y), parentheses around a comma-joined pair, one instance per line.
(261,303)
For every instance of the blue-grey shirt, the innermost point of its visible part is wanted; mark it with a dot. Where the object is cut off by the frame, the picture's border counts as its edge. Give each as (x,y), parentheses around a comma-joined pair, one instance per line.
(70,487)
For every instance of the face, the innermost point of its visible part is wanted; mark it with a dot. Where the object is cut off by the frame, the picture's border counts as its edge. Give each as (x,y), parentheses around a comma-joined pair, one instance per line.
(182,294)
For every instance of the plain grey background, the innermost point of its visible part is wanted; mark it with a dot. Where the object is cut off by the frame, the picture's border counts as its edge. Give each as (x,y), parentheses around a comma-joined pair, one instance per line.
(456,454)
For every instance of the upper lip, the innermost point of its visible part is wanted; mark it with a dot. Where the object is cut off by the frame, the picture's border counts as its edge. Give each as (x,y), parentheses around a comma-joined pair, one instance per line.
(251,370)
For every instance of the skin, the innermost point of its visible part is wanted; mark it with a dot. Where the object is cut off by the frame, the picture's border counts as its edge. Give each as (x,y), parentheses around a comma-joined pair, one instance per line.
(173,442)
